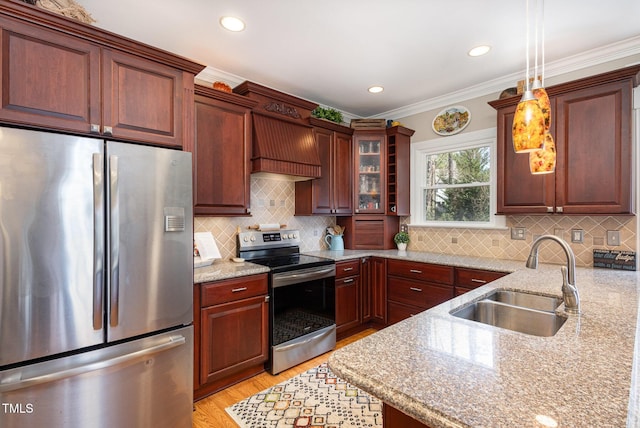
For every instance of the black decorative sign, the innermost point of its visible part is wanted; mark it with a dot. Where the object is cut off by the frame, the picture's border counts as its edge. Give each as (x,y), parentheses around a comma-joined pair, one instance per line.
(613,259)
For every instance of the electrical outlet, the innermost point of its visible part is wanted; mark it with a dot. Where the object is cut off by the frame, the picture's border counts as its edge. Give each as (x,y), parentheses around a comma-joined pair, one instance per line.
(404,228)
(315,232)
(613,238)
(518,233)
(577,236)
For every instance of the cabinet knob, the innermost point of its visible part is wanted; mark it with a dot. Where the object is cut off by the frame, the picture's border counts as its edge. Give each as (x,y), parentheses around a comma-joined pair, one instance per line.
(108,130)
(549,209)
(95,129)
(559,209)
(393,208)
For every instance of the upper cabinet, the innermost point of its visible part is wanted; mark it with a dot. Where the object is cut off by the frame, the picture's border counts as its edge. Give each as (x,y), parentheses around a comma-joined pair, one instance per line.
(221,153)
(61,74)
(398,167)
(370,162)
(331,193)
(591,125)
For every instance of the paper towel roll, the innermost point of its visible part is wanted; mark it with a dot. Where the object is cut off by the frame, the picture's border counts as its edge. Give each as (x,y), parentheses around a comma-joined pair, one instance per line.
(269,226)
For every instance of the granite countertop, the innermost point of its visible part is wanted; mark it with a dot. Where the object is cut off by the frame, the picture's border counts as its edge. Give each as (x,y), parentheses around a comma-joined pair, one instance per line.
(449,372)
(225,270)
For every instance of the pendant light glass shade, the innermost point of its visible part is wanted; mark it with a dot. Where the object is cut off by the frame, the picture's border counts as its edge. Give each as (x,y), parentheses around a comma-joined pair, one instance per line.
(543,101)
(528,125)
(544,161)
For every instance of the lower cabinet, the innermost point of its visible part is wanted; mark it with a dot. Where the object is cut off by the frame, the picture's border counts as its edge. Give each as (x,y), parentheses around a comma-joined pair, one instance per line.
(231,320)
(413,287)
(394,418)
(469,279)
(348,311)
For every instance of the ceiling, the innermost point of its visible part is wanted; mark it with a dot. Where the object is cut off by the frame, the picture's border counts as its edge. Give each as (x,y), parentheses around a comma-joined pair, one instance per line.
(331,51)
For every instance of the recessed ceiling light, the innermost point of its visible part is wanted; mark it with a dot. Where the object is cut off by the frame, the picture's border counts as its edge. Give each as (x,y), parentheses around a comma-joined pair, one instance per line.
(232,23)
(376,89)
(479,50)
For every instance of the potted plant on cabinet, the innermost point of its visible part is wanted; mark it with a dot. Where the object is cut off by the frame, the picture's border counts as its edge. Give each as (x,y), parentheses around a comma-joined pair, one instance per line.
(401,239)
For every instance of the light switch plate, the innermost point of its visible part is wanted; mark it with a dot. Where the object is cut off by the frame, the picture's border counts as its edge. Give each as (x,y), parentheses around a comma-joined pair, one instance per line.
(577,236)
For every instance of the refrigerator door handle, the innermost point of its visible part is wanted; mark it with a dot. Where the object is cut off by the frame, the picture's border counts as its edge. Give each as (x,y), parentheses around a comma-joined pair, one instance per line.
(98,239)
(173,342)
(114,223)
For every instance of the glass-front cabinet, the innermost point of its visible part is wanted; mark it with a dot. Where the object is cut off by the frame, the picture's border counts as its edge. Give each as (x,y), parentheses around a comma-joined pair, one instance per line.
(370,172)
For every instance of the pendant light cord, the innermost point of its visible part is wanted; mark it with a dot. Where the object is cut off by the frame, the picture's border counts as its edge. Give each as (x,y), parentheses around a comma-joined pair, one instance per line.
(527,87)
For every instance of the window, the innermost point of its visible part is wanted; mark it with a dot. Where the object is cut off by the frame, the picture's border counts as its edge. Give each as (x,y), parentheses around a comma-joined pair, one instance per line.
(454,181)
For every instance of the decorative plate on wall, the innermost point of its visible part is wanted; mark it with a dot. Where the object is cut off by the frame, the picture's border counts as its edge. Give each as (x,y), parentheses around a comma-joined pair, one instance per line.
(451,120)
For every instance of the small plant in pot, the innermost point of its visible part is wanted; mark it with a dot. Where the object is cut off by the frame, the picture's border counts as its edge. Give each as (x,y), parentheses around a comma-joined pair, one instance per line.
(401,239)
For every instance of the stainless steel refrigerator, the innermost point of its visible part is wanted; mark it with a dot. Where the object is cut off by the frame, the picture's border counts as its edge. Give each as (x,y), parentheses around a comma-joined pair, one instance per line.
(96,280)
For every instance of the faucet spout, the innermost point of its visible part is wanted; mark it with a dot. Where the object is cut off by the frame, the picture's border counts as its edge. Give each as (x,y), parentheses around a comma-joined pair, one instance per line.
(569,289)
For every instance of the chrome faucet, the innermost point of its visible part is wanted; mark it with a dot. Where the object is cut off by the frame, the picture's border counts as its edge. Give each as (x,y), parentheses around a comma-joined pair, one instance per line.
(569,290)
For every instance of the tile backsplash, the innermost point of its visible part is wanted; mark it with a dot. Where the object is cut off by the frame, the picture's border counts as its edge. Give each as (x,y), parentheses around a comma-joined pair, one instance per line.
(272,201)
(498,243)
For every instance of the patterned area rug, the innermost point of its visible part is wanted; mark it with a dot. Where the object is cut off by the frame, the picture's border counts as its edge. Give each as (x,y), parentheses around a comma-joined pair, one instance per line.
(314,399)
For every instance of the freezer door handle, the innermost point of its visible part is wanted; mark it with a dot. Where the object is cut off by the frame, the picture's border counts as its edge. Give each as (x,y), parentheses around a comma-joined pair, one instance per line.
(98,239)
(173,342)
(114,223)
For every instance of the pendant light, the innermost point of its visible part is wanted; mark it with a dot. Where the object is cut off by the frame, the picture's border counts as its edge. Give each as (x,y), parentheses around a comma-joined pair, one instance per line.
(528,121)
(542,161)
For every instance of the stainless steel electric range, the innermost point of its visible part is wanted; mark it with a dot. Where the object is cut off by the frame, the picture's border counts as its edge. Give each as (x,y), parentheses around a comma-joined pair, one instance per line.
(302,296)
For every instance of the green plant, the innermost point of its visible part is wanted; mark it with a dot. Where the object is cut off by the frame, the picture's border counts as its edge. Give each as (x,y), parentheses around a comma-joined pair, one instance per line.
(401,238)
(327,113)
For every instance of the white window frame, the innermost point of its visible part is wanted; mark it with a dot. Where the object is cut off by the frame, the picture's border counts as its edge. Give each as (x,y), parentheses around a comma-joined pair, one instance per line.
(485,137)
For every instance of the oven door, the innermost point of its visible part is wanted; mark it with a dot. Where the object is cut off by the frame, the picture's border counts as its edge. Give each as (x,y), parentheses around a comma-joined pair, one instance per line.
(303,315)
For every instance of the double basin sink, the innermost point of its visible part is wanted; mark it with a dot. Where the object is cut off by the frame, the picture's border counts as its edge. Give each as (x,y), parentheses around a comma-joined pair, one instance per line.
(519,311)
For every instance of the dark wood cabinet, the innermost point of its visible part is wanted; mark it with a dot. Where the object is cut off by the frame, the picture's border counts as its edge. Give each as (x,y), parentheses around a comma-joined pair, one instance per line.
(413,287)
(64,75)
(591,126)
(374,291)
(467,279)
(332,193)
(394,418)
(398,167)
(348,306)
(232,335)
(369,231)
(222,153)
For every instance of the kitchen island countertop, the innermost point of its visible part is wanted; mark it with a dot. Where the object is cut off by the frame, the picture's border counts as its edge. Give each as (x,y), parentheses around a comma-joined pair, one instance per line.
(449,372)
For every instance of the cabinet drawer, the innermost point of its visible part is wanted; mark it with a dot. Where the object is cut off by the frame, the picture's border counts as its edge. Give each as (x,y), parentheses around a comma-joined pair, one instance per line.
(398,312)
(418,293)
(474,278)
(421,271)
(347,268)
(224,291)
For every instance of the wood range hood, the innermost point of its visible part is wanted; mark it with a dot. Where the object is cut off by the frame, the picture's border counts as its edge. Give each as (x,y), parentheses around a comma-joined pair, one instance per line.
(283,141)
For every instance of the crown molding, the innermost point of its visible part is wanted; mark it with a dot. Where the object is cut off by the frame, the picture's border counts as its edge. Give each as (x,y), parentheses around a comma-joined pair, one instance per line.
(612,52)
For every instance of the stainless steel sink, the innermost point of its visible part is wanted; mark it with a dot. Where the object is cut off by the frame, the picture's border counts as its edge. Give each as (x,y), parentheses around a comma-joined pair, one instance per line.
(518,311)
(526,300)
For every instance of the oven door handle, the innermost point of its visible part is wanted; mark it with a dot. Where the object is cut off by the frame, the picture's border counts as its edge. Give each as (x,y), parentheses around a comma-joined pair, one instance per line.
(281,279)
(304,342)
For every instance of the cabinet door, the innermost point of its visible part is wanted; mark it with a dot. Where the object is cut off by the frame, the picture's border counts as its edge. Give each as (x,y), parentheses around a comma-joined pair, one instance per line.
(370,173)
(519,191)
(221,158)
(234,336)
(378,289)
(342,174)
(142,99)
(322,187)
(347,303)
(593,134)
(48,79)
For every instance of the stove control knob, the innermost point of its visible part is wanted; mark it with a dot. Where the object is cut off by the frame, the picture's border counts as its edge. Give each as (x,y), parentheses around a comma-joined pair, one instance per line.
(253,238)
(292,236)
(245,239)
(284,236)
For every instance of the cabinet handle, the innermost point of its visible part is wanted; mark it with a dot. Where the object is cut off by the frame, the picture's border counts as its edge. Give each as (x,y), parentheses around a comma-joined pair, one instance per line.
(481,281)
(108,130)
(419,290)
(393,208)
(415,271)
(347,281)
(266,298)
(95,129)
(347,269)
(237,290)
(549,209)
(559,209)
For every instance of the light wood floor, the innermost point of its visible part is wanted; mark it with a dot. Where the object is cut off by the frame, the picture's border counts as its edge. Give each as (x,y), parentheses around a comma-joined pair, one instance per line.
(209,412)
